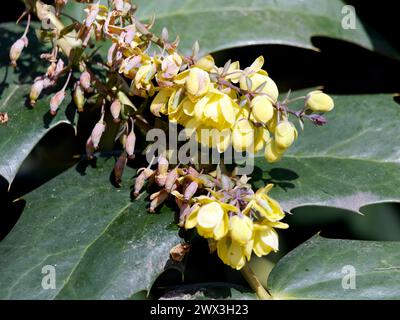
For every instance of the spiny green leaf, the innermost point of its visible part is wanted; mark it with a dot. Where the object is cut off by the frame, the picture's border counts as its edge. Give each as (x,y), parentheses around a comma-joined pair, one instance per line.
(322,268)
(102,244)
(26,126)
(352,161)
(224,24)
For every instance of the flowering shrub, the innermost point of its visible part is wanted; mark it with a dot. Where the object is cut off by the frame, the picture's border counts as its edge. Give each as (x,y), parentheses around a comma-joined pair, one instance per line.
(143,82)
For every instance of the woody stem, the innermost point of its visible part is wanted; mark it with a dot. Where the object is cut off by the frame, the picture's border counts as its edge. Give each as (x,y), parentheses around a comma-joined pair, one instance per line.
(254,283)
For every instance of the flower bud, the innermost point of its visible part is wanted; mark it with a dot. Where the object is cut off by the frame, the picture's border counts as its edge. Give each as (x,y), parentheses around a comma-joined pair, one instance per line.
(36,90)
(242,135)
(262,109)
(241,229)
(198,82)
(16,50)
(97,132)
(318,101)
(115,110)
(272,153)
(130,144)
(119,167)
(157,199)
(85,81)
(79,97)
(141,179)
(170,182)
(285,134)
(162,165)
(55,102)
(92,14)
(190,190)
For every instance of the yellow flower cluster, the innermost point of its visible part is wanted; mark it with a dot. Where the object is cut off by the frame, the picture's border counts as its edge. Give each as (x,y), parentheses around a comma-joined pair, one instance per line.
(238,232)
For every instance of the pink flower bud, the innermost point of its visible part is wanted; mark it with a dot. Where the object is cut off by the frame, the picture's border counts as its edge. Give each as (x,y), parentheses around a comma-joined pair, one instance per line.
(130,144)
(92,14)
(157,199)
(16,50)
(170,182)
(111,53)
(97,132)
(59,67)
(190,190)
(85,81)
(55,102)
(119,5)
(115,110)
(119,167)
(36,90)
(141,179)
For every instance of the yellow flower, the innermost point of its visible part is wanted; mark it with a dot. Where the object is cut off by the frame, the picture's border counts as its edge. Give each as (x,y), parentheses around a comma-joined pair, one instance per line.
(261,136)
(241,229)
(143,79)
(210,217)
(197,83)
(243,135)
(285,134)
(216,110)
(266,238)
(205,63)
(259,77)
(318,101)
(159,103)
(272,153)
(262,109)
(265,205)
(232,253)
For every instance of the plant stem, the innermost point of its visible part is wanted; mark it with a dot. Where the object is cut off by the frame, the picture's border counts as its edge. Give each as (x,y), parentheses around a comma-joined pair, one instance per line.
(254,283)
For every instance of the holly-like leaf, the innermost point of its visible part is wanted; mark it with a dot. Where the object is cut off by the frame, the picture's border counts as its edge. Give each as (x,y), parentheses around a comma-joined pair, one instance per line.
(26,126)
(352,161)
(324,268)
(225,24)
(102,244)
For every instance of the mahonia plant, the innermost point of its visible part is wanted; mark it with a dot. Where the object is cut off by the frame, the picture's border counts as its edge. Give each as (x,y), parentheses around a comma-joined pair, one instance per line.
(192,91)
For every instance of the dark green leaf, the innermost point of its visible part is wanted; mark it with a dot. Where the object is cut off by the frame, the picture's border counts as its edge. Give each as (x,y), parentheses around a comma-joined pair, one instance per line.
(322,268)
(103,245)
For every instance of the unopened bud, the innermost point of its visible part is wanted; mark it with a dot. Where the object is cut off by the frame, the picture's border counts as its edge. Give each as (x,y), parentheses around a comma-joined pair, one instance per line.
(59,67)
(170,182)
(119,5)
(16,50)
(85,81)
(92,14)
(162,166)
(97,132)
(130,144)
(36,90)
(119,167)
(55,102)
(190,190)
(318,101)
(79,97)
(157,199)
(141,179)
(115,110)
